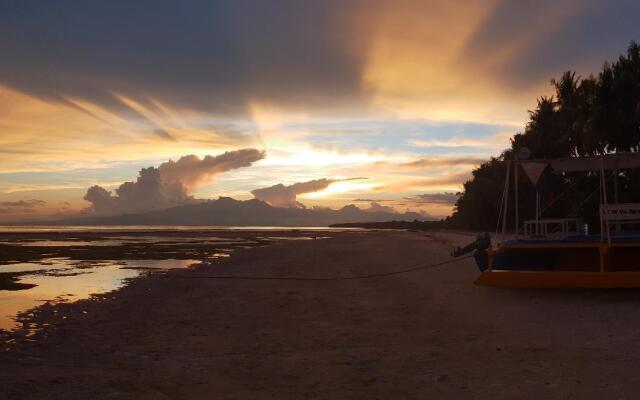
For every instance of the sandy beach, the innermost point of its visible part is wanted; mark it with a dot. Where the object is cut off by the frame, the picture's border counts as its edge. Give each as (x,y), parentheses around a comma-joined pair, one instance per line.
(426,334)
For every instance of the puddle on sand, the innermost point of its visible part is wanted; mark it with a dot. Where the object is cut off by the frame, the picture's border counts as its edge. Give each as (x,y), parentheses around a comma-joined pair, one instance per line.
(67,280)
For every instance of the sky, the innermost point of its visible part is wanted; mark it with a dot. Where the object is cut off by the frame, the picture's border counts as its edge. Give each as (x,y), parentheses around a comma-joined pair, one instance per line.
(301,103)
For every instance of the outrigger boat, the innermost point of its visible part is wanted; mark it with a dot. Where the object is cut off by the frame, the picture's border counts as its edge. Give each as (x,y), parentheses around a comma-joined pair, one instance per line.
(560,252)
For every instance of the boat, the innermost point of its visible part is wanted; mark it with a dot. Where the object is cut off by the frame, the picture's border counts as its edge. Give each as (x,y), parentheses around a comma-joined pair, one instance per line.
(560,252)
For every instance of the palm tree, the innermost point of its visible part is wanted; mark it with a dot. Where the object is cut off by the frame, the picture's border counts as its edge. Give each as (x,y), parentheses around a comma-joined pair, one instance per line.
(588,116)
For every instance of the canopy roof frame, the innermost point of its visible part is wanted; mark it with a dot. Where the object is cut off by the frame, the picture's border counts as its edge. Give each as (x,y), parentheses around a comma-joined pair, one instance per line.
(599,164)
(605,162)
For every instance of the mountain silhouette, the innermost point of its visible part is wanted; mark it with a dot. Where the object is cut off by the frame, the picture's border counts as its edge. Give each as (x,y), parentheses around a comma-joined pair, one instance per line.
(226,211)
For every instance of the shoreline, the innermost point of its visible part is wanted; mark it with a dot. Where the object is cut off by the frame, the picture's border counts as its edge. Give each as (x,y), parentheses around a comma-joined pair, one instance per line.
(429,333)
(38,267)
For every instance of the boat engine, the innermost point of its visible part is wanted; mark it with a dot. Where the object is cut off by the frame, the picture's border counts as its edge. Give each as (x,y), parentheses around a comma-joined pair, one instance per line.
(479,247)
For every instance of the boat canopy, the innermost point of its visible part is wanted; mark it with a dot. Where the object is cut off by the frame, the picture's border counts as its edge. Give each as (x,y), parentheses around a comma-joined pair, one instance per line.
(534,169)
(594,163)
(559,252)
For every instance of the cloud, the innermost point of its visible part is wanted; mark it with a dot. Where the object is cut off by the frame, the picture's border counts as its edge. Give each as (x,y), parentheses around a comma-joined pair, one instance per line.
(522,43)
(377,207)
(212,56)
(24,204)
(444,182)
(438,162)
(29,210)
(190,170)
(371,200)
(496,141)
(169,184)
(434,198)
(286,196)
(22,207)
(456,142)
(220,56)
(111,82)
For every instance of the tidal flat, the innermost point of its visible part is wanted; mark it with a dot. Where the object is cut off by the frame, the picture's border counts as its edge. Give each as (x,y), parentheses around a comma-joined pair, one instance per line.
(50,266)
(183,334)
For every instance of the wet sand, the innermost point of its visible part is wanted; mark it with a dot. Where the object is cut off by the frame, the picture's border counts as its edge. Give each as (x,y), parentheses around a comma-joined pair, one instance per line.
(427,334)
(51,265)
(140,244)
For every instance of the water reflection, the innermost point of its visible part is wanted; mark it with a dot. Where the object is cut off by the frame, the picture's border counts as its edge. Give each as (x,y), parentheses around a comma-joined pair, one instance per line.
(67,280)
(50,258)
(62,243)
(122,240)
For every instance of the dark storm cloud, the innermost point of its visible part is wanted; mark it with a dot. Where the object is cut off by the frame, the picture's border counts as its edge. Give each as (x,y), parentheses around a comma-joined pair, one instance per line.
(212,56)
(533,41)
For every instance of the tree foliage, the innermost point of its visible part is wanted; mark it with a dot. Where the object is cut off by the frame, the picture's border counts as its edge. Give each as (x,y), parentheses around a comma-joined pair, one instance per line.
(586,116)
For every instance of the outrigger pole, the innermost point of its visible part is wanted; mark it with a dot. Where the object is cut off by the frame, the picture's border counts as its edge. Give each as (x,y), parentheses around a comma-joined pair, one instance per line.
(604,220)
(517,206)
(506,202)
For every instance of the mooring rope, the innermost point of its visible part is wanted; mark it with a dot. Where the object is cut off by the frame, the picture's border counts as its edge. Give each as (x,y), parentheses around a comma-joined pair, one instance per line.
(301,278)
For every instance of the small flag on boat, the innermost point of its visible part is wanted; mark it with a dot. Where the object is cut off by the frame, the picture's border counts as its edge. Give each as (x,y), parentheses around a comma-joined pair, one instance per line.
(542,179)
(534,170)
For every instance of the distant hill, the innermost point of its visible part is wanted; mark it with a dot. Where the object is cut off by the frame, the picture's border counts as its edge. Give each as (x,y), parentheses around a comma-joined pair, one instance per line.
(226,211)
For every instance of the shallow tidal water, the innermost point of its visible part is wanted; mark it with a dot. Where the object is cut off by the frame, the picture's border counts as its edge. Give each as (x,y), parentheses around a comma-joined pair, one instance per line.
(64,280)
(41,265)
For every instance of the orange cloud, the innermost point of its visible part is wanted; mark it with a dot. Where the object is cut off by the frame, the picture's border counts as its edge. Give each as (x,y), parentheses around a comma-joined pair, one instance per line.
(435,162)
(443,182)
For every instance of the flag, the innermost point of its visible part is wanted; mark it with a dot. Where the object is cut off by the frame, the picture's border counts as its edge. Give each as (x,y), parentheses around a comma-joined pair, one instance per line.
(534,170)
(542,179)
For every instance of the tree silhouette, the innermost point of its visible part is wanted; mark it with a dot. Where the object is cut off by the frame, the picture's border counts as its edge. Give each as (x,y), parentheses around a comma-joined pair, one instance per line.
(596,115)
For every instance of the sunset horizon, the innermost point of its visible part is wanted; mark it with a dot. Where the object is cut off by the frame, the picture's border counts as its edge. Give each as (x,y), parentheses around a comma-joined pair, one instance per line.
(409,97)
(319,199)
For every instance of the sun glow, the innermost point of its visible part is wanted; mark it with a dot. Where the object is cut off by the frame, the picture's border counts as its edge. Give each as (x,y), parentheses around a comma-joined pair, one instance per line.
(342,187)
(410,94)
